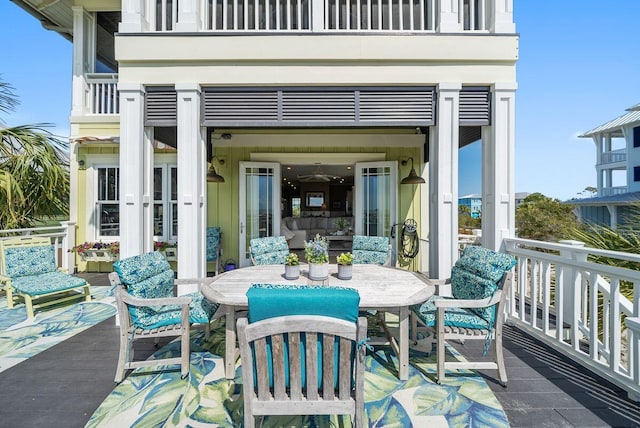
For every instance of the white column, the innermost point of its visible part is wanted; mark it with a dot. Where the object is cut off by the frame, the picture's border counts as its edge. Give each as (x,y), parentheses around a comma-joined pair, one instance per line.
(443,182)
(449,17)
(147,185)
(77,82)
(191,185)
(503,17)
(188,16)
(132,166)
(317,15)
(498,165)
(613,216)
(133,16)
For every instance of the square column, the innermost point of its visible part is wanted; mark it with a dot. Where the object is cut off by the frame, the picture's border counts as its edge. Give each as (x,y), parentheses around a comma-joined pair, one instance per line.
(449,17)
(443,182)
(498,165)
(133,18)
(188,16)
(191,186)
(503,17)
(134,170)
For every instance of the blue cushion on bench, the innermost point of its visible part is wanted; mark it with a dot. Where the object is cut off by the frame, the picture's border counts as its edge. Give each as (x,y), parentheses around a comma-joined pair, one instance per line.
(25,261)
(269,301)
(49,282)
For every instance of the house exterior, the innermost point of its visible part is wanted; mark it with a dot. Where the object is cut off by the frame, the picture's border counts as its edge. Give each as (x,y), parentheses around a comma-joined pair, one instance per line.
(618,171)
(163,90)
(474,202)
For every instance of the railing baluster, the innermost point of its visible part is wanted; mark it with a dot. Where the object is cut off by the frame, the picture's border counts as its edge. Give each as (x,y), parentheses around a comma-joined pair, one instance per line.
(593,316)
(534,292)
(615,325)
(472,15)
(235,14)
(546,296)
(559,303)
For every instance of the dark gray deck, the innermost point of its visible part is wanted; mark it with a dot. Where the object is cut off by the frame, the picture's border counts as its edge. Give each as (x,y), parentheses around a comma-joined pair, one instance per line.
(62,386)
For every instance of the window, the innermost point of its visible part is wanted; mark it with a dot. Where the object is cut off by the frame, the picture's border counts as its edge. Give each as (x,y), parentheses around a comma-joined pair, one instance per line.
(636,136)
(636,173)
(165,203)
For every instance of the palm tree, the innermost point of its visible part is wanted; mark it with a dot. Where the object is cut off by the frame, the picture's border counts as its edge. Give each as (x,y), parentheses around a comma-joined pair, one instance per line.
(34,170)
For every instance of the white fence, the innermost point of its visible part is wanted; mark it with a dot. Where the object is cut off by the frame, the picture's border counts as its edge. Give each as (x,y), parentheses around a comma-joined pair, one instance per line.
(62,237)
(320,15)
(568,298)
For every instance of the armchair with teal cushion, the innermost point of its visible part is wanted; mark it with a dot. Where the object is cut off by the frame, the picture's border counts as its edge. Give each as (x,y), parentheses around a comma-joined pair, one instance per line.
(371,250)
(28,268)
(214,249)
(302,352)
(271,250)
(473,309)
(147,307)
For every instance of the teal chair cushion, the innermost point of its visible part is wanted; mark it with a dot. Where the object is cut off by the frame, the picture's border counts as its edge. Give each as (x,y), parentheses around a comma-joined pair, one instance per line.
(136,269)
(476,275)
(200,312)
(271,250)
(25,261)
(49,282)
(453,317)
(370,249)
(213,243)
(269,301)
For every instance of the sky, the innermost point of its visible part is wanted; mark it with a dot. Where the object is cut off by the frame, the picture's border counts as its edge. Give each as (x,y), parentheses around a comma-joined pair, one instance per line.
(578,68)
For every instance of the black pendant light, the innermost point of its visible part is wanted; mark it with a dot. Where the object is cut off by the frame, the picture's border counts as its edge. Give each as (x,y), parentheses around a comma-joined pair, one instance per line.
(413,177)
(212,175)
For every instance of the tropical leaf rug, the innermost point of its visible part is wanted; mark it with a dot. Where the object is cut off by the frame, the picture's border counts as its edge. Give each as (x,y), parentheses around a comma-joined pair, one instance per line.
(22,338)
(156,396)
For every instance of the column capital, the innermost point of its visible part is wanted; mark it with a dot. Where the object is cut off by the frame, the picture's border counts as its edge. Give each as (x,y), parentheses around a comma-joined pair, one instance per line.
(188,87)
(131,87)
(449,86)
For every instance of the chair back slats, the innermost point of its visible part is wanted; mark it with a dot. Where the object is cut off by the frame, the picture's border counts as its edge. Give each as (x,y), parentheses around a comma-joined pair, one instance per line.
(295,377)
(262,369)
(328,343)
(278,358)
(312,366)
(345,367)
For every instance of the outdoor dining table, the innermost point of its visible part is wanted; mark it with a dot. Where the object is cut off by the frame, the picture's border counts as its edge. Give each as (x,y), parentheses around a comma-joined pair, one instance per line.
(381,288)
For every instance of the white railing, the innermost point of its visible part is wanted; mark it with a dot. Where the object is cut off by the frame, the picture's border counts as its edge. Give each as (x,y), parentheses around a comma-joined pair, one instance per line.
(319,15)
(101,94)
(567,298)
(616,190)
(613,156)
(62,237)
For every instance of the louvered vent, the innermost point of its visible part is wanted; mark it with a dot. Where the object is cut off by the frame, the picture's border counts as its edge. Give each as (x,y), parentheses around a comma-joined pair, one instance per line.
(231,108)
(475,106)
(160,106)
(413,108)
(318,106)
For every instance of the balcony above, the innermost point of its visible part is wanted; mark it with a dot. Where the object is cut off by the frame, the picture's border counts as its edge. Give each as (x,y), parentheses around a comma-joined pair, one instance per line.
(614,156)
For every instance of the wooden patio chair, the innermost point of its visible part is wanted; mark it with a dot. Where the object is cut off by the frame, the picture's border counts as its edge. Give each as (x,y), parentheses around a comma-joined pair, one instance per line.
(271,250)
(302,352)
(214,249)
(28,269)
(148,308)
(371,250)
(469,307)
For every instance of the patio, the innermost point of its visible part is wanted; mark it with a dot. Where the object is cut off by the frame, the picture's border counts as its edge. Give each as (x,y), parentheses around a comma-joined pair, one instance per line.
(65,384)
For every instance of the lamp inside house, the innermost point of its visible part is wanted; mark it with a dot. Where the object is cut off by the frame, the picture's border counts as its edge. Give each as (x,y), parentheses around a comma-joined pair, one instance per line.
(413,177)
(212,175)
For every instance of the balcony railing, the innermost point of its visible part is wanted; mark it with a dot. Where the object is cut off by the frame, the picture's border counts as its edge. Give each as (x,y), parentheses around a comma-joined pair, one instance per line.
(319,15)
(101,94)
(567,299)
(610,191)
(613,156)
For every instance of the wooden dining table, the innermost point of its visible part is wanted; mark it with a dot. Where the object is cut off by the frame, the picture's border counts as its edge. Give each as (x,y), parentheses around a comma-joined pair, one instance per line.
(381,288)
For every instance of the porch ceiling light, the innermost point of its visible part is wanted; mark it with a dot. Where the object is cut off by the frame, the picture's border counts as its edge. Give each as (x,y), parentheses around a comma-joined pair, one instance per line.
(413,177)
(212,175)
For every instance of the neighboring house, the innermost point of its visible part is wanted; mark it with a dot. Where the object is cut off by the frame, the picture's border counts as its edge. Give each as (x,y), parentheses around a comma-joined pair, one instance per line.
(474,202)
(304,106)
(617,156)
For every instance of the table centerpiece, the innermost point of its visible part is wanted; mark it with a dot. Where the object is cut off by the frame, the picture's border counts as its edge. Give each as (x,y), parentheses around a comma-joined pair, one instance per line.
(317,255)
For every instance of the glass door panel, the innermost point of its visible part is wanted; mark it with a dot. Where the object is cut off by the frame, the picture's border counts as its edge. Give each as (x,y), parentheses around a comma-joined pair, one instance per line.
(376,198)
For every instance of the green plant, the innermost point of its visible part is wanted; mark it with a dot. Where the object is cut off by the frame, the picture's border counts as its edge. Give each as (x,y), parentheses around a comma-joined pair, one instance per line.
(316,250)
(345,259)
(109,247)
(341,223)
(291,259)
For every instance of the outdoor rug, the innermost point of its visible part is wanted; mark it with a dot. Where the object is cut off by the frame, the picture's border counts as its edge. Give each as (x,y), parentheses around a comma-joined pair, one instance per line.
(151,396)
(22,338)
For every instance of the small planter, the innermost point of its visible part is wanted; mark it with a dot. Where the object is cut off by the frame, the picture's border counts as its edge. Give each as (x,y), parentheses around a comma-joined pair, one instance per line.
(318,271)
(171,253)
(291,271)
(345,271)
(98,256)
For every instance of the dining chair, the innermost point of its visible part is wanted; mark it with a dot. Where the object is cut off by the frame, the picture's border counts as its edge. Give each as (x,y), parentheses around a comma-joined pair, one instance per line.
(302,350)
(148,308)
(469,306)
(271,250)
(213,246)
(371,250)
(28,269)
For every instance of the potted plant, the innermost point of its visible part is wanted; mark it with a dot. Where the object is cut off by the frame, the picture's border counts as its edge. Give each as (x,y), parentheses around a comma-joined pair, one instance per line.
(291,266)
(317,255)
(345,265)
(97,251)
(341,223)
